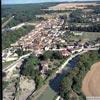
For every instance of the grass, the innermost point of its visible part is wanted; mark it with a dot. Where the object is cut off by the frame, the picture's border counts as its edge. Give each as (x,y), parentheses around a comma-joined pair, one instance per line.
(5,84)
(91,35)
(49,94)
(5,64)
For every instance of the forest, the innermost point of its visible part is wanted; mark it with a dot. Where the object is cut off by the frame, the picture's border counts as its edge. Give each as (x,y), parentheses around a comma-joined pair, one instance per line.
(24,12)
(12,36)
(72,82)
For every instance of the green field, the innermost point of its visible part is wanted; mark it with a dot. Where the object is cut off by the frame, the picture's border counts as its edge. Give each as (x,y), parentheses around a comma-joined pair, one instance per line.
(91,35)
(86,35)
(49,94)
(5,64)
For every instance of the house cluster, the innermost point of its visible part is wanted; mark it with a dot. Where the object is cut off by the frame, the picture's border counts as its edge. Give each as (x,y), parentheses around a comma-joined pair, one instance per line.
(71,49)
(43,37)
(43,68)
(91,17)
(9,55)
(65,52)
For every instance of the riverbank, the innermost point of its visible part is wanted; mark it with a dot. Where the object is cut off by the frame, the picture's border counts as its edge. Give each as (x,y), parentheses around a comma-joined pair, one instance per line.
(90,84)
(72,82)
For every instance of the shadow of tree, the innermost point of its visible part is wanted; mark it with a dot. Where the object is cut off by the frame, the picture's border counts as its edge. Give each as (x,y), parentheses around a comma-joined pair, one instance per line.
(55,82)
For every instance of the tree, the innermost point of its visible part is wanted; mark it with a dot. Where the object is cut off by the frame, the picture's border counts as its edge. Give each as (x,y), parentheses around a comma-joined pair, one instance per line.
(29,67)
(41,57)
(49,72)
(38,80)
(48,54)
(65,86)
(56,55)
(3,74)
(74,72)
(99,51)
(73,79)
(5,84)
(82,96)
(66,96)
(19,52)
(12,36)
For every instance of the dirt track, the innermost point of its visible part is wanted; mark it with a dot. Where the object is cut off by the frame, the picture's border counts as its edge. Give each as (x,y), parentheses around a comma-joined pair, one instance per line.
(91,82)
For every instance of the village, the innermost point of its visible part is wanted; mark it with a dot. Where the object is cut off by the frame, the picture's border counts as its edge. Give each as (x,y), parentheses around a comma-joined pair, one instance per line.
(46,37)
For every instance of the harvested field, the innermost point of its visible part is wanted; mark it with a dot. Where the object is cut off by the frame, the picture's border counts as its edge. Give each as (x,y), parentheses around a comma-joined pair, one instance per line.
(91,82)
(65,6)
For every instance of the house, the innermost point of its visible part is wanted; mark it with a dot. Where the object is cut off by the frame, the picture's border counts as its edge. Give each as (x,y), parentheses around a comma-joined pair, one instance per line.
(77,50)
(65,52)
(78,33)
(44,67)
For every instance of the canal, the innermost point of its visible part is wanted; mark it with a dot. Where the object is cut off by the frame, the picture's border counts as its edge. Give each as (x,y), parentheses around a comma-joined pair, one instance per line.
(53,89)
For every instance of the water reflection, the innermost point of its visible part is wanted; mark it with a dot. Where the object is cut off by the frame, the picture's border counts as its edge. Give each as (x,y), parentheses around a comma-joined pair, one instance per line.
(55,82)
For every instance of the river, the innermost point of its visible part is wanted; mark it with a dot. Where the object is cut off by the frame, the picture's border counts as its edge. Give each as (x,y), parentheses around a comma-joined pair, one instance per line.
(53,89)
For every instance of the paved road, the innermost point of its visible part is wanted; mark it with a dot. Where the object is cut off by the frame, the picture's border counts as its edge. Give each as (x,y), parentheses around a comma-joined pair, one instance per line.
(40,91)
(41,94)
(18,26)
(86,50)
(21,25)
(13,65)
(48,87)
(5,23)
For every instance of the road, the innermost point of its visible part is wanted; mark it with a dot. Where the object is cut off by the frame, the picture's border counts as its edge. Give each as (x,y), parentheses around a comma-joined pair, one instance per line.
(41,94)
(86,50)
(5,23)
(13,65)
(54,79)
(18,26)
(21,25)
(40,91)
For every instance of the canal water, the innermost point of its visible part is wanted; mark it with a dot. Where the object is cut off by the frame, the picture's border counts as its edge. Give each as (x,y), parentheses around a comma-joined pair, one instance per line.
(53,89)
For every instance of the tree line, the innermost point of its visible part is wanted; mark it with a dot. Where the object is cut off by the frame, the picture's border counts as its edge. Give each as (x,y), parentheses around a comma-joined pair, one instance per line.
(12,36)
(70,86)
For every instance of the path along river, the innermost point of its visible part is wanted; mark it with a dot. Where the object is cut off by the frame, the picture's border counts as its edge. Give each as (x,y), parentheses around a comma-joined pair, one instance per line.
(52,90)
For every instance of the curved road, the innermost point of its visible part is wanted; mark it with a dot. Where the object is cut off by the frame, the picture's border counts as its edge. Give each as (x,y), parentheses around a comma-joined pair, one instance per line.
(5,23)
(18,26)
(39,92)
(42,93)
(13,65)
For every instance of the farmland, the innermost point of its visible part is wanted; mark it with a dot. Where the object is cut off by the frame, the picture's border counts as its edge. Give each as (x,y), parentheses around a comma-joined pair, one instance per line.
(90,86)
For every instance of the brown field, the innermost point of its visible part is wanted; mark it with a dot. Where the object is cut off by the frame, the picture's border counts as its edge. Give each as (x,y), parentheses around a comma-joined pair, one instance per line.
(91,82)
(67,6)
